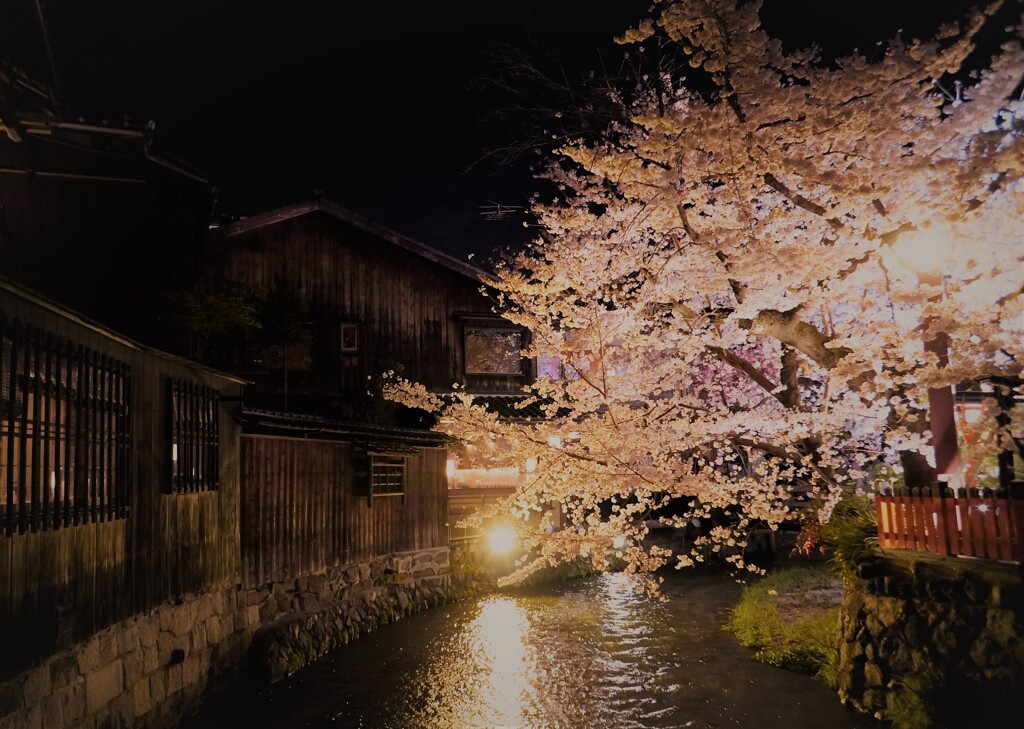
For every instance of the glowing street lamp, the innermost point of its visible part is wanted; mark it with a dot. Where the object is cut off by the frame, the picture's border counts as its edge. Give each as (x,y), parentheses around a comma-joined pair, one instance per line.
(501,539)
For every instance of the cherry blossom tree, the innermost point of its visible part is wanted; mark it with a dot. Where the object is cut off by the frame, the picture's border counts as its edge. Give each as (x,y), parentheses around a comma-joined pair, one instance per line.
(739,278)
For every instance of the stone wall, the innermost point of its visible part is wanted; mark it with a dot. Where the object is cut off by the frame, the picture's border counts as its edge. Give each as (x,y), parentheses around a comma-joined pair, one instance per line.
(154,668)
(940,640)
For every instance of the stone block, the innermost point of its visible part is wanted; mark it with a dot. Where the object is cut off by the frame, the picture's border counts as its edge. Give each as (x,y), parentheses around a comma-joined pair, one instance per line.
(174,679)
(72,701)
(166,643)
(213,630)
(203,608)
(37,685)
(199,639)
(88,656)
(873,676)
(63,670)
(252,616)
(32,718)
(10,697)
(147,630)
(158,687)
(181,623)
(127,639)
(134,666)
(53,713)
(150,659)
(107,646)
(316,583)
(141,701)
(102,685)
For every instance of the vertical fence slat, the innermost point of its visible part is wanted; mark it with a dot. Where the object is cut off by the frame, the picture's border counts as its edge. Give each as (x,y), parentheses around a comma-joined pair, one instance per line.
(23,432)
(49,481)
(7,419)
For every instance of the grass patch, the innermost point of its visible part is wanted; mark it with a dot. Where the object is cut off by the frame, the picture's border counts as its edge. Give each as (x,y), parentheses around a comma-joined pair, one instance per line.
(851,533)
(790,619)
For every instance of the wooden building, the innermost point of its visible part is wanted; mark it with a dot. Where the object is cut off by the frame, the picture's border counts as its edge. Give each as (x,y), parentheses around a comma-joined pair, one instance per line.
(119,480)
(366,300)
(91,214)
(318,495)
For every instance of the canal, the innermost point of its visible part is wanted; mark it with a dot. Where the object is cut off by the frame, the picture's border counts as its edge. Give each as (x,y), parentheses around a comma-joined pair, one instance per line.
(587,654)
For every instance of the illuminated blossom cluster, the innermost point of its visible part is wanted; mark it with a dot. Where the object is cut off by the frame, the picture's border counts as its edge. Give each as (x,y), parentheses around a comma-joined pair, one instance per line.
(738,281)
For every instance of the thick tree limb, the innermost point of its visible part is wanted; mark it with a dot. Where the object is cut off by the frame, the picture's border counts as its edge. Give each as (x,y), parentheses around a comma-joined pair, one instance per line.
(788,328)
(737,362)
(799,200)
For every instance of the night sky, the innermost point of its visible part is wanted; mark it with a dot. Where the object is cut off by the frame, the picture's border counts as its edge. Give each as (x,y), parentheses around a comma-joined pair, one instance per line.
(384,107)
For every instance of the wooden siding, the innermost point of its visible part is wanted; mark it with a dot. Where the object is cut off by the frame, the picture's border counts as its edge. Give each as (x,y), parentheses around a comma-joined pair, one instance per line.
(302,511)
(58,586)
(405,305)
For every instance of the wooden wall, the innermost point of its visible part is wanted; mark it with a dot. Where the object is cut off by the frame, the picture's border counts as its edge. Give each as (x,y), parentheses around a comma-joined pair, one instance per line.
(405,305)
(58,586)
(301,511)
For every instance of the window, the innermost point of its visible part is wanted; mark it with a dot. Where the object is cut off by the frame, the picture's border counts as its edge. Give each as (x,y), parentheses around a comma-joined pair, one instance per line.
(549,366)
(349,338)
(387,475)
(494,351)
(65,432)
(195,447)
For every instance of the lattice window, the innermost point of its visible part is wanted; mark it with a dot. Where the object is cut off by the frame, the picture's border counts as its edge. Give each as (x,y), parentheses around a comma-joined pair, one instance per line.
(195,437)
(387,475)
(65,432)
(493,351)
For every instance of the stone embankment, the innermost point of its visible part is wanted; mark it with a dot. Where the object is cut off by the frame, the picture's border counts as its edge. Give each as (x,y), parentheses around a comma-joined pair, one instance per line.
(360,598)
(152,669)
(917,629)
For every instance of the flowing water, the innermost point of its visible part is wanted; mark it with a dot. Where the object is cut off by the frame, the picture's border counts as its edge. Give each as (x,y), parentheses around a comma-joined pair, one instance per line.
(588,654)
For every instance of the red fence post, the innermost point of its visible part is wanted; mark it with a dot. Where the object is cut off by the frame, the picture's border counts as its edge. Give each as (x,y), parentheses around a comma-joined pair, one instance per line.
(1016,510)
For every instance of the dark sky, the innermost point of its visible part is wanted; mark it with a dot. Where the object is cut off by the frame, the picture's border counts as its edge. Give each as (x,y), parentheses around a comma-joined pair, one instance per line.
(381,105)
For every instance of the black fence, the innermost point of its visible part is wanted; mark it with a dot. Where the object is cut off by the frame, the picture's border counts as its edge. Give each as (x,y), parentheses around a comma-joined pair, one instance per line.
(65,425)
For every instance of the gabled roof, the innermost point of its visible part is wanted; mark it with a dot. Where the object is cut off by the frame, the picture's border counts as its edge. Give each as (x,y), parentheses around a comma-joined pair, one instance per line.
(288,212)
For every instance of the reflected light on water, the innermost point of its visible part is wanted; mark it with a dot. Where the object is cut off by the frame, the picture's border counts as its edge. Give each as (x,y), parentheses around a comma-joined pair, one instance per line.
(507,689)
(489,679)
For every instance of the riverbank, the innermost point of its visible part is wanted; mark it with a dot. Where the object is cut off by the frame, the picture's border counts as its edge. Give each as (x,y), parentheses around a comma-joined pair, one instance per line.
(578,654)
(790,619)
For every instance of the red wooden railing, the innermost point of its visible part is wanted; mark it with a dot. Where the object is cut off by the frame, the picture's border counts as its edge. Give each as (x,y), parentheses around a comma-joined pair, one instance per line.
(986,523)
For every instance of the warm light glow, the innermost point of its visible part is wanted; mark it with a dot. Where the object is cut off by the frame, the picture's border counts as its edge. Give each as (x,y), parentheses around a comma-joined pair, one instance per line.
(501,539)
(506,690)
(972,415)
(925,250)
(531,465)
(488,677)
(484,478)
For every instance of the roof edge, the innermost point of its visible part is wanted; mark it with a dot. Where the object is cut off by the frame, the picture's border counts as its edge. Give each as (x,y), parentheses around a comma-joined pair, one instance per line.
(295,210)
(83,321)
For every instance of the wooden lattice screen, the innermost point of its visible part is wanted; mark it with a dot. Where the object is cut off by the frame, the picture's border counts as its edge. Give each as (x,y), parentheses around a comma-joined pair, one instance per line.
(65,432)
(195,439)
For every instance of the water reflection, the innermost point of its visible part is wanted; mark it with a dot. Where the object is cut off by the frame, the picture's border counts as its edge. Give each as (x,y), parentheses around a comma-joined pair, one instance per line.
(590,654)
(486,677)
(588,659)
